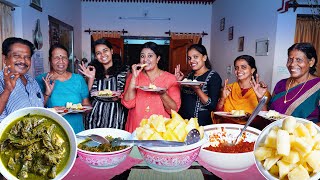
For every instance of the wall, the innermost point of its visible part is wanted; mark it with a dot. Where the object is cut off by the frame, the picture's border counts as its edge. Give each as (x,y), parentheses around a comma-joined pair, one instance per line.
(184,18)
(254,20)
(251,19)
(284,39)
(66,11)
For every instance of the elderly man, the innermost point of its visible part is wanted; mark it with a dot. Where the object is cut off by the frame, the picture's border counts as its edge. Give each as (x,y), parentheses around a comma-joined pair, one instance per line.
(17,88)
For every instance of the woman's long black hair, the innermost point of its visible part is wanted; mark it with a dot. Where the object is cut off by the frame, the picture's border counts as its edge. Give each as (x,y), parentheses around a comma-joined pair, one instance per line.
(114,70)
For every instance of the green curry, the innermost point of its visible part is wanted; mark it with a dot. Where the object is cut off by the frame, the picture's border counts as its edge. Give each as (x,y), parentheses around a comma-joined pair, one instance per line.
(101,147)
(34,147)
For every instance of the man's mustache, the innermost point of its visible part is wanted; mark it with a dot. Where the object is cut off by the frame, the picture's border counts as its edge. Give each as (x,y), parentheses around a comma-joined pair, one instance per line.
(21,64)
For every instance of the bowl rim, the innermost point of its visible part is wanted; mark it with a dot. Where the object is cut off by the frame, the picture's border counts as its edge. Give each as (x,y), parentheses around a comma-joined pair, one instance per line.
(50,114)
(262,137)
(153,151)
(103,153)
(177,148)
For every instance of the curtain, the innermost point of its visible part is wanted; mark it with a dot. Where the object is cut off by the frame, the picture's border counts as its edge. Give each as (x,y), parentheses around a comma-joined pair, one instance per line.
(308,30)
(108,34)
(195,37)
(6,27)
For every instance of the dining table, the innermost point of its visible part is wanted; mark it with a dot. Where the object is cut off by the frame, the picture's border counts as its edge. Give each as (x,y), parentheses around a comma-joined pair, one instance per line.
(134,168)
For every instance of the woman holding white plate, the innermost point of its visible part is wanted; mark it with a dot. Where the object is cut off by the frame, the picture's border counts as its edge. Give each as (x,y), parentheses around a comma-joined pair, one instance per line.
(104,73)
(199,100)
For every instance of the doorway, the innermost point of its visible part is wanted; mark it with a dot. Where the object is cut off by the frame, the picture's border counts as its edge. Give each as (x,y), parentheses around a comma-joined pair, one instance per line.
(132,48)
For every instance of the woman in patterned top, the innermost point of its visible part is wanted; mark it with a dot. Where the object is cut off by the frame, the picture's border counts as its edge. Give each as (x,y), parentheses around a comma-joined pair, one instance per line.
(199,101)
(105,73)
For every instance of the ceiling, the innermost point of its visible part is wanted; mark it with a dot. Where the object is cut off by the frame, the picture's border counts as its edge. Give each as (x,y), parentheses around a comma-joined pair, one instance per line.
(205,2)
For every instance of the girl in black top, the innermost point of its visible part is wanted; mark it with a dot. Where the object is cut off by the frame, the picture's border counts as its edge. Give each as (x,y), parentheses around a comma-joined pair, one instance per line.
(198,101)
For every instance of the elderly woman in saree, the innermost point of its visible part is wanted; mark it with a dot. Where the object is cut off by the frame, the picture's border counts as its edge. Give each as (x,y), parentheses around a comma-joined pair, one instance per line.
(299,95)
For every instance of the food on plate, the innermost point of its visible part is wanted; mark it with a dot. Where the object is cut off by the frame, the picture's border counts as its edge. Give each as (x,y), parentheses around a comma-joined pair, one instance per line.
(291,151)
(240,147)
(189,80)
(238,112)
(273,114)
(101,147)
(34,147)
(152,86)
(105,92)
(70,105)
(158,127)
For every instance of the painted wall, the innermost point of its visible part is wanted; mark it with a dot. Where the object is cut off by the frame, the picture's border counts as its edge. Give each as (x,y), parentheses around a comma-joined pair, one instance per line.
(66,11)
(184,18)
(252,19)
(284,39)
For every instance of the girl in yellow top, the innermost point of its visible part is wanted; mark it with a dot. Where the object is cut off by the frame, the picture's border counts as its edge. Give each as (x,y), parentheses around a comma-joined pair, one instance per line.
(245,93)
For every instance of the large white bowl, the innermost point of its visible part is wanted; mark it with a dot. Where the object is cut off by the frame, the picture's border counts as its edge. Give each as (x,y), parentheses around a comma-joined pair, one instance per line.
(171,159)
(228,162)
(50,114)
(262,138)
(104,160)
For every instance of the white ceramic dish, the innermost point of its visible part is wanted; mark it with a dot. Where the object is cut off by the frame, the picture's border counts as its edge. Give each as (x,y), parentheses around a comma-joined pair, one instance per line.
(146,88)
(84,108)
(262,138)
(191,83)
(263,114)
(227,114)
(228,162)
(53,115)
(114,94)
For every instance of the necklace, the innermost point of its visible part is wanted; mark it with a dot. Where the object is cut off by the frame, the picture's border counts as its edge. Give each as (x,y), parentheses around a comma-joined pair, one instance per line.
(285,96)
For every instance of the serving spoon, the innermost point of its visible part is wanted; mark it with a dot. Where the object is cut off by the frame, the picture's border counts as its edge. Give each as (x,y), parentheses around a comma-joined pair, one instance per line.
(96,138)
(252,116)
(192,137)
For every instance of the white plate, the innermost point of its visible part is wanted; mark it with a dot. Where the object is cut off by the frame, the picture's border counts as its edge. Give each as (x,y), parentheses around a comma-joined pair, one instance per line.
(84,108)
(227,114)
(263,114)
(191,83)
(114,94)
(146,88)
